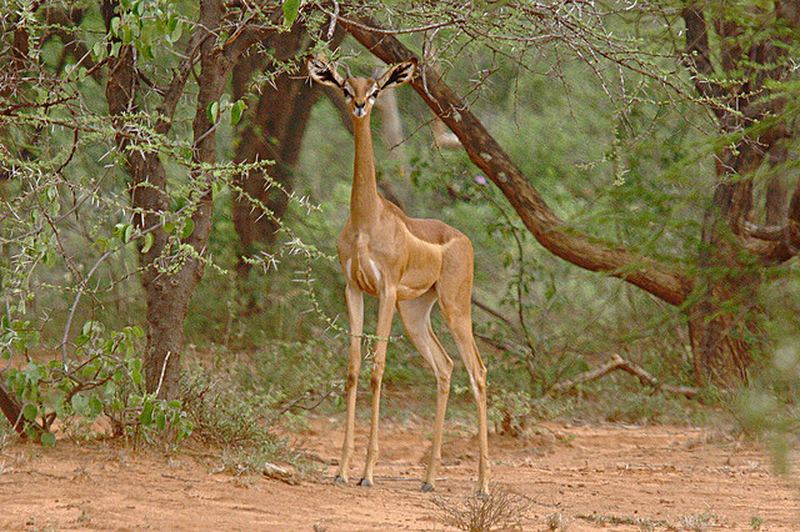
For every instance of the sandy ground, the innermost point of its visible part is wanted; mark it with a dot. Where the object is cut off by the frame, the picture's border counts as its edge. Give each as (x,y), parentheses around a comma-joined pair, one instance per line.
(584,477)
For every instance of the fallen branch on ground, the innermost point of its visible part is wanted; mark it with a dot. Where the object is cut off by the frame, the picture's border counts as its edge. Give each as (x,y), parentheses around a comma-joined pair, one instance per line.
(618,363)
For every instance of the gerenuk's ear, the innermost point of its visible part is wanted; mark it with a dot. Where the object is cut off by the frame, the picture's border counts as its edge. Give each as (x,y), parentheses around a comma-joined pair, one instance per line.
(398,74)
(323,72)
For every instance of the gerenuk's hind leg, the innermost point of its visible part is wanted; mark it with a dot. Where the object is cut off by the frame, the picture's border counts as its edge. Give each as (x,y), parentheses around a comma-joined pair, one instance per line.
(455,299)
(416,316)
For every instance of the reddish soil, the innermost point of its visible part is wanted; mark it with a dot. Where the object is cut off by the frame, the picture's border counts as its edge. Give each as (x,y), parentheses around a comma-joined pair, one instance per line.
(585,477)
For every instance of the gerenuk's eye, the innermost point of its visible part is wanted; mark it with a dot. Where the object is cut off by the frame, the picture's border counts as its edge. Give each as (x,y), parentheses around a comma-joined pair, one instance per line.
(372,96)
(347,93)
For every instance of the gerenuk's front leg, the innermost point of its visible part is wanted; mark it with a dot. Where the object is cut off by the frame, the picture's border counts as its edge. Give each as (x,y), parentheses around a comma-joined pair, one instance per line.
(355,311)
(385,313)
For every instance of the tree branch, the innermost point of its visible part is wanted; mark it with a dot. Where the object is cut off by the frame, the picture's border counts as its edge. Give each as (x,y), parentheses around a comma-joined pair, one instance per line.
(496,313)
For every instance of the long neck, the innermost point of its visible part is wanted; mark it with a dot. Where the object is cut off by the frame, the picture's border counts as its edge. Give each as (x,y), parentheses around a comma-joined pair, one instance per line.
(364,202)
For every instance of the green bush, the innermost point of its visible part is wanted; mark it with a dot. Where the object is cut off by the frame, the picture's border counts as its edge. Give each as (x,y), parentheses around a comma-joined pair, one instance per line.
(103,379)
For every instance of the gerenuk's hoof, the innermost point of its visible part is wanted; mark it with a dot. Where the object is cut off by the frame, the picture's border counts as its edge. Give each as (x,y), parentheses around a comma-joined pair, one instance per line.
(482,495)
(365,483)
(426,488)
(339,480)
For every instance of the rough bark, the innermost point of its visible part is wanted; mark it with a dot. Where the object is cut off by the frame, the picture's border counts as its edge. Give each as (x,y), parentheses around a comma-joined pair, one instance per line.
(662,281)
(775,203)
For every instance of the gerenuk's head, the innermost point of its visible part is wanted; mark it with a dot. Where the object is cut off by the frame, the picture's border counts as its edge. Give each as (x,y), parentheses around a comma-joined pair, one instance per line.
(360,93)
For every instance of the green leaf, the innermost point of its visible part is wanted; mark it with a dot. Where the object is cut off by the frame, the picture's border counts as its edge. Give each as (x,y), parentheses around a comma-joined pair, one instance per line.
(92,328)
(95,406)
(188,228)
(212,112)
(33,373)
(146,417)
(48,439)
(99,50)
(161,420)
(29,411)
(116,22)
(148,242)
(291,8)
(183,432)
(136,375)
(128,233)
(80,404)
(175,34)
(236,111)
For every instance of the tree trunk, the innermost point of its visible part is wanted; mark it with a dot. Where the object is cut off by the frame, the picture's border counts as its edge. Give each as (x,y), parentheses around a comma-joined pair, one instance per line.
(273,131)
(777,191)
(167,294)
(723,322)
(724,329)
(167,304)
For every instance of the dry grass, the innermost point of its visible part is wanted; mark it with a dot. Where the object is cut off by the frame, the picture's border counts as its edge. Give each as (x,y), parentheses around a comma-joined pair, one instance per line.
(501,510)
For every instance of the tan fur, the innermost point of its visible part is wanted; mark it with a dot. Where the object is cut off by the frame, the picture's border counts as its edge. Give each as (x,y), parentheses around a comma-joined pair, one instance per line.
(408,264)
